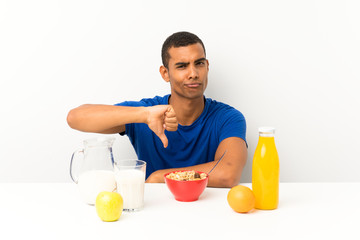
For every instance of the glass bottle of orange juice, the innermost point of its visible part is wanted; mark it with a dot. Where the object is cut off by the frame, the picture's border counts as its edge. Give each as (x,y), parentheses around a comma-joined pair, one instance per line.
(265,171)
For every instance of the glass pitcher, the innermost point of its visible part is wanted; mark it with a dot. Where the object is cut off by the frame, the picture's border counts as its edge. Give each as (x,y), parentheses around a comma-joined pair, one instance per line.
(94,171)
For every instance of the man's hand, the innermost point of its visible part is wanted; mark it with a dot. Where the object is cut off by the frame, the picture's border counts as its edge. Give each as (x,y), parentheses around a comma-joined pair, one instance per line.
(161,118)
(156,177)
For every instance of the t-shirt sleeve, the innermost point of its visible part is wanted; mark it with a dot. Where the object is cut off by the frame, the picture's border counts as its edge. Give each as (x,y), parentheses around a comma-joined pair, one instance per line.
(130,104)
(233,124)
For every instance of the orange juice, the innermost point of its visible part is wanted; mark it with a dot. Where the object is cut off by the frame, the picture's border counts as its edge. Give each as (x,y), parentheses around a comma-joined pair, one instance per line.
(265,171)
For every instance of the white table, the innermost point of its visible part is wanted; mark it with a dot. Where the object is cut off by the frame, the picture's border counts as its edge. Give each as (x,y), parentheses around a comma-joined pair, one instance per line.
(306,211)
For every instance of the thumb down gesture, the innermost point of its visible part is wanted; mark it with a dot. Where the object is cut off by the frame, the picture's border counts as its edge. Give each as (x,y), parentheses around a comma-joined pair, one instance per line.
(161,118)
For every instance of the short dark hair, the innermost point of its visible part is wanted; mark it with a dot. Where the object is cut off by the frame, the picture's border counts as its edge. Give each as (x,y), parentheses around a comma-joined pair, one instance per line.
(178,39)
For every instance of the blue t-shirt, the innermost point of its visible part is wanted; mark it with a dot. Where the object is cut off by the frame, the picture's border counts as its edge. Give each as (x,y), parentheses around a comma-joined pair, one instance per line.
(189,145)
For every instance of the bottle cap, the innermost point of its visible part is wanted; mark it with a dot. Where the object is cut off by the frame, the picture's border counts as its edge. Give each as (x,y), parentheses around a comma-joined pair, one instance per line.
(267,131)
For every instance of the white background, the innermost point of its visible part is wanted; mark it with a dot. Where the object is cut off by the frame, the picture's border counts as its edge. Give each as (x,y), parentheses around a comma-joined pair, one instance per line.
(293,65)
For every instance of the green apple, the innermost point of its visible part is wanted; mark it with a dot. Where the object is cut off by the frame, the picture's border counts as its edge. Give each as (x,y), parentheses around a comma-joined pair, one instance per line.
(109,206)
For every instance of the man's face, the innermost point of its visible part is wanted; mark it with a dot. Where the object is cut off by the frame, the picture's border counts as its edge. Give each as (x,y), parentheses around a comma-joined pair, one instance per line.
(187,71)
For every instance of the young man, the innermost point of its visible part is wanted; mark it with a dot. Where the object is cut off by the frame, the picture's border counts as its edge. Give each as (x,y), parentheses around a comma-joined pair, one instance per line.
(180,131)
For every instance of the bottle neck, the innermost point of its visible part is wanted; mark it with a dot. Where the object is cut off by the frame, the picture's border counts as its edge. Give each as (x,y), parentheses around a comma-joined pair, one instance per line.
(266,135)
(266,139)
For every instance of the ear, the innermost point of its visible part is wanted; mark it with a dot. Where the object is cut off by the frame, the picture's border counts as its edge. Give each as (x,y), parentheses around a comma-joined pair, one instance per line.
(207,61)
(164,73)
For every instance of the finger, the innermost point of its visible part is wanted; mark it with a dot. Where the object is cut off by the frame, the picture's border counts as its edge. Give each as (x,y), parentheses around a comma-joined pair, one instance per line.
(164,140)
(170,109)
(171,123)
(170,120)
(170,114)
(171,128)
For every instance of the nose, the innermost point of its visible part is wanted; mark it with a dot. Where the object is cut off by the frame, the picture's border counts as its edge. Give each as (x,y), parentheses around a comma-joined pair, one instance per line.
(193,72)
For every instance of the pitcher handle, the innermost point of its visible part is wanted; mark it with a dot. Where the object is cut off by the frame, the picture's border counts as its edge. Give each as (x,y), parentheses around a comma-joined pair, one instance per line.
(80,151)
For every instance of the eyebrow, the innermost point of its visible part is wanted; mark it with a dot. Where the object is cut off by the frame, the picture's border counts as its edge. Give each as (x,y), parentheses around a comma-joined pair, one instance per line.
(187,63)
(200,60)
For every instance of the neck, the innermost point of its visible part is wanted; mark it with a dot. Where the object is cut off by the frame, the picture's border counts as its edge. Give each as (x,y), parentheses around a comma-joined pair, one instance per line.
(187,110)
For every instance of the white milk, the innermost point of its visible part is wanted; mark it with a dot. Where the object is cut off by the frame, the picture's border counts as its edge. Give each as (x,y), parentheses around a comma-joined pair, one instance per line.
(130,185)
(91,183)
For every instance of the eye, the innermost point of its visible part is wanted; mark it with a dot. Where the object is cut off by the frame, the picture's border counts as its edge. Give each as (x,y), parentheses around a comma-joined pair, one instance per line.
(181,66)
(200,63)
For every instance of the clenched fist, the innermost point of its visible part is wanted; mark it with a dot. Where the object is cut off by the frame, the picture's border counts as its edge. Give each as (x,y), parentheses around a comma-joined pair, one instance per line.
(161,118)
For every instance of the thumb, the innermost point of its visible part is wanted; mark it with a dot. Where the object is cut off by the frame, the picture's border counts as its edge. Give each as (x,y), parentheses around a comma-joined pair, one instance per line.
(163,139)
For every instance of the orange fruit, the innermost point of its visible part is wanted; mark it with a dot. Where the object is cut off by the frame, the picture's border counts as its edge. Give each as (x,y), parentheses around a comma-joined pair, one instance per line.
(241,199)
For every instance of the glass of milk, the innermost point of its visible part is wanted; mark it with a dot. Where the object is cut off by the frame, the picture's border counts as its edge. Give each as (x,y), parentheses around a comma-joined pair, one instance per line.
(130,181)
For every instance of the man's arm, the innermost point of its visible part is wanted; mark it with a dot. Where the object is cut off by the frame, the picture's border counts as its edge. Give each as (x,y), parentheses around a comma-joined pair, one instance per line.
(226,174)
(112,119)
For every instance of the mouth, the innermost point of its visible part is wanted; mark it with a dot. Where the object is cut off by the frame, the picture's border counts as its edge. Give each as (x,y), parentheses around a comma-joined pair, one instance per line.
(192,85)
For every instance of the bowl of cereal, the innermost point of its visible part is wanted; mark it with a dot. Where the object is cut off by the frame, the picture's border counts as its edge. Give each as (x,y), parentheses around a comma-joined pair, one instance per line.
(186,186)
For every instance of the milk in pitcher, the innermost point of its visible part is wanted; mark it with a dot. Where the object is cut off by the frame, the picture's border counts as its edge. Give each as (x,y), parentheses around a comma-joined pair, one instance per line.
(92,182)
